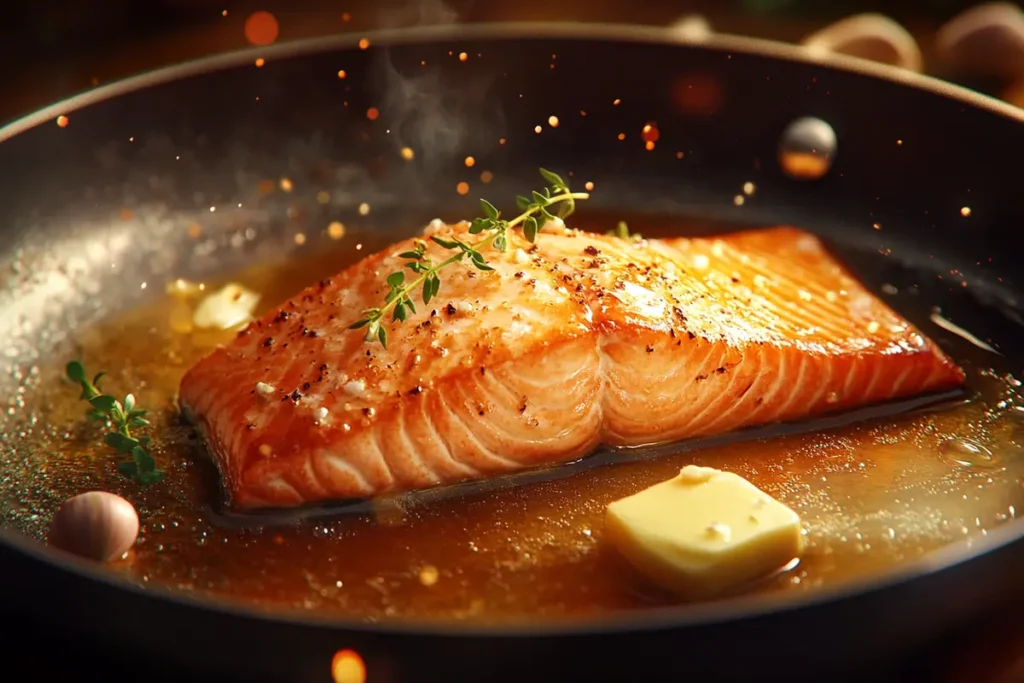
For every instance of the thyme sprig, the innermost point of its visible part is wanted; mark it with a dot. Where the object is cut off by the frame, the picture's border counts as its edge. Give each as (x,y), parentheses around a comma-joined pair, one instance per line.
(121,417)
(535,211)
(622,231)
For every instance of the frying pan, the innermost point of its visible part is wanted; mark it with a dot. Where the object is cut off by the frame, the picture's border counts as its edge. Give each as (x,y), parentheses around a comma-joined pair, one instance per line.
(169,144)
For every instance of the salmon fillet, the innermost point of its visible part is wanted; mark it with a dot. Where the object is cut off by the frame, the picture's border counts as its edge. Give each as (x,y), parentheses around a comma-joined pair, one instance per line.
(575,341)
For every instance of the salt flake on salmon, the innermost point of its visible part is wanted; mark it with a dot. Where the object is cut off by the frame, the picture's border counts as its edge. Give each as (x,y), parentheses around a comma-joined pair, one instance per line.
(572,342)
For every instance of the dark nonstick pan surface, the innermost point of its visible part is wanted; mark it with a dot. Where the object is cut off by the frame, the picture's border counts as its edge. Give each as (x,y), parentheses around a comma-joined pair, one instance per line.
(911,152)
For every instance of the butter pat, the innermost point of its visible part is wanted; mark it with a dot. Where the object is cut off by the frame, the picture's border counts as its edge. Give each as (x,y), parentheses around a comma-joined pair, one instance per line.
(226,308)
(704,532)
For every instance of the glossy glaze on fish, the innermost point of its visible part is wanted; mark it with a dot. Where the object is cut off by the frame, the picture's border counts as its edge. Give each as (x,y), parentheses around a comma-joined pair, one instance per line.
(576,341)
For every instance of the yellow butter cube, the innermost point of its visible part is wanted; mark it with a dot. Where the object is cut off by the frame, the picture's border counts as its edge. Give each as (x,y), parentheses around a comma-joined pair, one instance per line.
(704,532)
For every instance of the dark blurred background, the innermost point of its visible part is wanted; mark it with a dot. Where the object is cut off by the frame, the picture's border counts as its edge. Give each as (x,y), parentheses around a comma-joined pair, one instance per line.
(57,48)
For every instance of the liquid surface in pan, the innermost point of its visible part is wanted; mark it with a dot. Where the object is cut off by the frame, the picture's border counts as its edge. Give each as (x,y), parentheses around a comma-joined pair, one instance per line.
(872,494)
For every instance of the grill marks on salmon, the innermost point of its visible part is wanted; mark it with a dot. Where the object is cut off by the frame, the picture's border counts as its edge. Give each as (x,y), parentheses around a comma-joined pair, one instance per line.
(577,341)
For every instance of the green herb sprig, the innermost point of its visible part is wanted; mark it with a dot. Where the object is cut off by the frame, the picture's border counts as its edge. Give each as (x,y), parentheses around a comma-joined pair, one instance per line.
(121,416)
(535,210)
(622,231)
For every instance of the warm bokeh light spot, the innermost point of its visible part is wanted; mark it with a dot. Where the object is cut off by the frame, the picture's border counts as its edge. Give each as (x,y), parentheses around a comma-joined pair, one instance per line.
(407,153)
(286,184)
(679,155)
(364,43)
(62,121)
(469,162)
(462,188)
(486,177)
(348,667)
(965,211)
(622,136)
(649,146)
(553,121)
(429,575)
(698,93)
(342,74)
(266,186)
(650,132)
(463,56)
(1014,94)
(260,62)
(373,113)
(261,28)
(589,186)
(336,230)
(345,16)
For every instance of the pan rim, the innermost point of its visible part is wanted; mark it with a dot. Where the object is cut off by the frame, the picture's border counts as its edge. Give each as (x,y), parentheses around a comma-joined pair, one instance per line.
(740,608)
(513,30)
(645,620)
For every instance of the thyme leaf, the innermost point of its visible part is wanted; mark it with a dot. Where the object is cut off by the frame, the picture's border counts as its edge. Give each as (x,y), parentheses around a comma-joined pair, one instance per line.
(121,416)
(555,200)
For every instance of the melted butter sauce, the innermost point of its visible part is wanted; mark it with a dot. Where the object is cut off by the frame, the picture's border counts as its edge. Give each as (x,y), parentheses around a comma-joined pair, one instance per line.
(881,491)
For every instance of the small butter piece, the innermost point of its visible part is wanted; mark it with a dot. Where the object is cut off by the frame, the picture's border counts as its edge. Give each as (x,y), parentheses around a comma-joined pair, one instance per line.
(226,308)
(704,532)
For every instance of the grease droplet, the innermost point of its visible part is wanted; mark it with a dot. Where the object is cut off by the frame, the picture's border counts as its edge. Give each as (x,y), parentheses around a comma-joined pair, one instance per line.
(807,148)
(966,453)
(650,132)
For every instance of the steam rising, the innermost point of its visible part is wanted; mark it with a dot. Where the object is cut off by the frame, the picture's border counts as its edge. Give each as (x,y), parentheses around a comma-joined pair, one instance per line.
(441,112)
(435,118)
(417,13)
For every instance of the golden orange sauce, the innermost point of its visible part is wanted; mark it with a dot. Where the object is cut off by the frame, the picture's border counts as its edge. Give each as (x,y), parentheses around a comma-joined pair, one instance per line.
(871,495)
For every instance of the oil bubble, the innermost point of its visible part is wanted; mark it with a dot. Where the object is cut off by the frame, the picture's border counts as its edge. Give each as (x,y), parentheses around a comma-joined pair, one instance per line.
(807,148)
(966,453)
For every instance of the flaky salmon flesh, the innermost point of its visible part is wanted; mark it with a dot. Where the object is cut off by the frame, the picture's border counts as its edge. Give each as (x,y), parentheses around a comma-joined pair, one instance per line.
(573,342)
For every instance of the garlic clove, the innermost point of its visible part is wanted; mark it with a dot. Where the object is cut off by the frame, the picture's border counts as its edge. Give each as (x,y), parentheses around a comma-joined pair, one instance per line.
(97,525)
